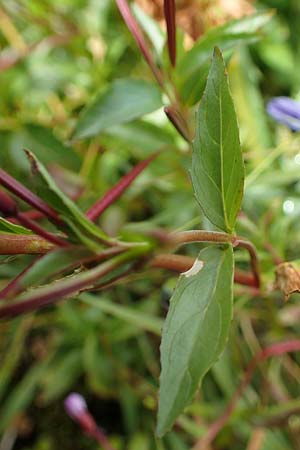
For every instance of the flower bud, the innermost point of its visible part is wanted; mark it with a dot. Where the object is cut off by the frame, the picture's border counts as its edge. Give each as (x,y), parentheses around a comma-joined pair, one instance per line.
(76,408)
(75,405)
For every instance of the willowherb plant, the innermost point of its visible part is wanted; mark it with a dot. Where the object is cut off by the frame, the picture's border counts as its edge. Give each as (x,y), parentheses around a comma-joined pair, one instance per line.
(79,256)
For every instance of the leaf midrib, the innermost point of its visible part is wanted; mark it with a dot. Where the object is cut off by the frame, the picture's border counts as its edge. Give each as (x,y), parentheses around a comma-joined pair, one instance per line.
(222,159)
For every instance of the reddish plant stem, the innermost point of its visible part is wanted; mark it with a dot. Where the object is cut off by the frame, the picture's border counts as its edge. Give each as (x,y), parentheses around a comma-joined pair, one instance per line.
(273,350)
(178,263)
(185,237)
(101,438)
(29,197)
(244,278)
(33,214)
(61,289)
(182,263)
(275,256)
(90,427)
(170,16)
(20,244)
(16,286)
(178,122)
(116,191)
(139,38)
(253,258)
(9,207)
(13,287)
(56,240)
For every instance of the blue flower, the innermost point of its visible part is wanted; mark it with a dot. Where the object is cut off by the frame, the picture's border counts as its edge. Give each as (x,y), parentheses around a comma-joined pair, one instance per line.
(285,110)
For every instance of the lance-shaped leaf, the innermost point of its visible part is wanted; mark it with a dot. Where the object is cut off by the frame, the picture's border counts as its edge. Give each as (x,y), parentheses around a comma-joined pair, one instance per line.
(123,101)
(9,227)
(217,166)
(77,223)
(195,331)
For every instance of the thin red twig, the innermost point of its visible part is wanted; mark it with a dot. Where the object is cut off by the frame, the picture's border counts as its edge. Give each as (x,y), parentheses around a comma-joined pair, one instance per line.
(170,16)
(139,38)
(178,122)
(27,222)
(116,191)
(17,188)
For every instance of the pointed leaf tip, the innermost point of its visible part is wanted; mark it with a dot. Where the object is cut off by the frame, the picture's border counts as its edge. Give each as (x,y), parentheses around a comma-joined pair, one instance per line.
(217,164)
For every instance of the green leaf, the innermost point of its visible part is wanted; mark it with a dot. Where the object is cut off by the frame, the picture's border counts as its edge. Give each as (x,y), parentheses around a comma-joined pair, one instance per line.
(22,395)
(195,331)
(9,227)
(194,65)
(141,135)
(62,375)
(82,228)
(138,318)
(13,355)
(48,148)
(51,264)
(124,100)
(217,166)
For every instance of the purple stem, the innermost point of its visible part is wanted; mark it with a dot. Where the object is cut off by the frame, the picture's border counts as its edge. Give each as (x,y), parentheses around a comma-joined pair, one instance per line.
(13,287)
(178,122)
(7,205)
(101,438)
(62,289)
(116,191)
(139,38)
(169,10)
(24,220)
(29,197)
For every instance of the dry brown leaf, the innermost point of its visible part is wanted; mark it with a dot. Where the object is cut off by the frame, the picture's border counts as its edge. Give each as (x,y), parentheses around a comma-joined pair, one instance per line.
(287,279)
(197,16)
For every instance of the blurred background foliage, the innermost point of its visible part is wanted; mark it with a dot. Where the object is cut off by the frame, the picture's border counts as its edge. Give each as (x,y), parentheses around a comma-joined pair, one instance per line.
(56,57)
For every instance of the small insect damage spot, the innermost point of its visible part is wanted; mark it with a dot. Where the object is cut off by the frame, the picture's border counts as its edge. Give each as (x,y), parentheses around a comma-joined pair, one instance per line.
(196,267)
(32,161)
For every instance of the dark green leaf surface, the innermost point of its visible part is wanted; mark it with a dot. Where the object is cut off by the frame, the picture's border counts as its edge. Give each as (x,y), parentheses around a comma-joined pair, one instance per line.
(195,331)
(123,101)
(48,148)
(217,167)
